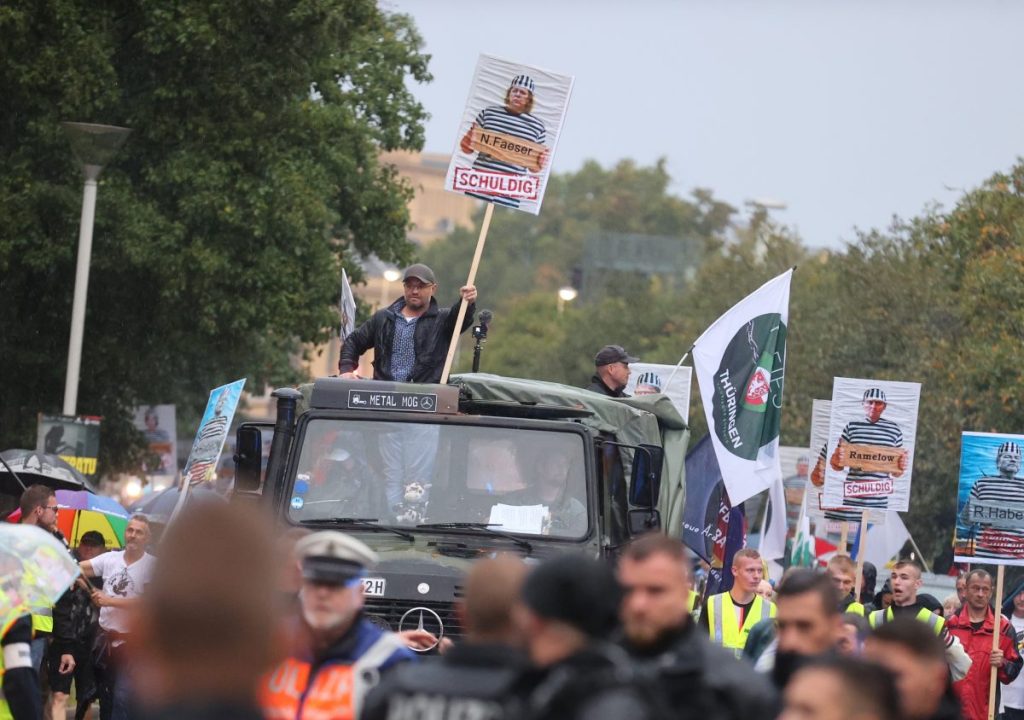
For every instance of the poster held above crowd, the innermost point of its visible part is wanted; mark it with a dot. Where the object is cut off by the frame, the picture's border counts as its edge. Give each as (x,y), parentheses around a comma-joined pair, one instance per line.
(651,378)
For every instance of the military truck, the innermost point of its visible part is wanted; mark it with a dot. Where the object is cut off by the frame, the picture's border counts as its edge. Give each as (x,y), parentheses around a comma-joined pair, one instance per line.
(434,476)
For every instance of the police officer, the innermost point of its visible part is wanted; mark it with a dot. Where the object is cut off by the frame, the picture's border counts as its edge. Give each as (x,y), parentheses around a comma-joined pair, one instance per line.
(330,676)
(486,676)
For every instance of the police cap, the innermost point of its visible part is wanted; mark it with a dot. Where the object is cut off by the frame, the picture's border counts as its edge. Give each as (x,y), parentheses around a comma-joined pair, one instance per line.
(581,592)
(333,557)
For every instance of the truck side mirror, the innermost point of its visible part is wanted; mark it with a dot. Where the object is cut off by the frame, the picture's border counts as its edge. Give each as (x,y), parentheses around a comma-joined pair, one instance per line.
(645,485)
(642,520)
(248,458)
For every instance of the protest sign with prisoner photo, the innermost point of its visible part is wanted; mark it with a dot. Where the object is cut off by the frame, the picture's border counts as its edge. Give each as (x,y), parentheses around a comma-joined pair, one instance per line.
(990,500)
(670,380)
(872,429)
(508,134)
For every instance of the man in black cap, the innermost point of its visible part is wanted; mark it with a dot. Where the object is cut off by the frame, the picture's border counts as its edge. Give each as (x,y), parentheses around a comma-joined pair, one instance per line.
(485,676)
(568,610)
(612,371)
(410,337)
(347,653)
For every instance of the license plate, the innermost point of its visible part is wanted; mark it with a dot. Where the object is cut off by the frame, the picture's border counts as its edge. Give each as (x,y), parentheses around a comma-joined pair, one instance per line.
(373,587)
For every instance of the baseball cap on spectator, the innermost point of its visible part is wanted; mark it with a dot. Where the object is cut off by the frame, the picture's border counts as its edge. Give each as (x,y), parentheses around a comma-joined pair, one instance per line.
(581,592)
(421,272)
(613,354)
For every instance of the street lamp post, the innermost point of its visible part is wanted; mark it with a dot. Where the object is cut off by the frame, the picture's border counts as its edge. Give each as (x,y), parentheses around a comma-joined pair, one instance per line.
(93,146)
(566,294)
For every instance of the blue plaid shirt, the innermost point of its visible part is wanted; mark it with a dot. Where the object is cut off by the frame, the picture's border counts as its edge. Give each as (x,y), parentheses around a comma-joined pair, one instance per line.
(403,347)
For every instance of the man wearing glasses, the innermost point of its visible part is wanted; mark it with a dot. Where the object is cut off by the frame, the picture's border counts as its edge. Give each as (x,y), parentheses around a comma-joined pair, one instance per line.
(39,507)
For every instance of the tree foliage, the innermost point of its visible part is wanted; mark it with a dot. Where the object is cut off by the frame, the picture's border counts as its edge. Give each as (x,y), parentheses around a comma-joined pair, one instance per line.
(250,177)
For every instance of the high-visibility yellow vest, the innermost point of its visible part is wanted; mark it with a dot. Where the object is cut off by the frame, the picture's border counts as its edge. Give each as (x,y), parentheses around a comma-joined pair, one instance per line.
(5,709)
(722,620)
(691,601)
(42,620)
(878,617)
(856,608)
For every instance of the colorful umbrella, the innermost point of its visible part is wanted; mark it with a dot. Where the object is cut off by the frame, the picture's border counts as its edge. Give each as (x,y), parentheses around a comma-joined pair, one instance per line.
(80,511)
(35,570)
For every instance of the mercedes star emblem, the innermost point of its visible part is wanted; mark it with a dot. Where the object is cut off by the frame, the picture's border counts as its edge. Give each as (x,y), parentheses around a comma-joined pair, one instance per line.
(423,618)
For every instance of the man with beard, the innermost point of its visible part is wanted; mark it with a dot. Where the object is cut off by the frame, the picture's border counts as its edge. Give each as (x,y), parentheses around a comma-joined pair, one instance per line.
(664,642)
(339,655)
(906,581)
(996,540)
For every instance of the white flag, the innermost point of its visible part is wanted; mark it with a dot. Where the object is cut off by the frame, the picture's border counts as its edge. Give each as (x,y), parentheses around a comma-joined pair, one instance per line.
(740,362)
(773,537)
(885,540)
(348,308)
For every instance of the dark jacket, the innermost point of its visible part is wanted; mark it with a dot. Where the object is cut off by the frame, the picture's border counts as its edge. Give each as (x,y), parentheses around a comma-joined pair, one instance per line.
(470,680)
(597,683)
(21,685)
(597,385)
(702,681)
(433,334)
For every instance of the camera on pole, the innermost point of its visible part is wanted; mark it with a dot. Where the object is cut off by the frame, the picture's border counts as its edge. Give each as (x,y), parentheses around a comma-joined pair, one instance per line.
(480,334)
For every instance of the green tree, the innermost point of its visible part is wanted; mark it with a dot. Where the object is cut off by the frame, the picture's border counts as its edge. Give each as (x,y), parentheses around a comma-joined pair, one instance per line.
(222,227)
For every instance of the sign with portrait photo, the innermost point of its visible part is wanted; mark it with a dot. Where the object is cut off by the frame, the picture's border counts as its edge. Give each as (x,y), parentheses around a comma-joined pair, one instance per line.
(651,378)
(158,424)
(76,440)
(990,500)
(872,432)
(508,134)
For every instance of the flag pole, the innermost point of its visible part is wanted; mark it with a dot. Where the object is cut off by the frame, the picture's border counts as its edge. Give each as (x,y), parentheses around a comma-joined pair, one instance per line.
(462,303)
(678,365)
(993,676)
(862,539)
(919,554)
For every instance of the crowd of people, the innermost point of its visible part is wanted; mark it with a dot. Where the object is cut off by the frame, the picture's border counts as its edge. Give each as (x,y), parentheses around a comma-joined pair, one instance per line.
(229,621)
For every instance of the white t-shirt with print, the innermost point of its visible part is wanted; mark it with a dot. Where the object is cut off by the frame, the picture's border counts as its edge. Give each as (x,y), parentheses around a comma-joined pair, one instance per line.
(1013,694)
(122,581)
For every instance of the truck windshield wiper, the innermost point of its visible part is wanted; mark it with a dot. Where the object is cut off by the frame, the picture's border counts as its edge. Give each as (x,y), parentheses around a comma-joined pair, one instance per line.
(361,522)
(525,544)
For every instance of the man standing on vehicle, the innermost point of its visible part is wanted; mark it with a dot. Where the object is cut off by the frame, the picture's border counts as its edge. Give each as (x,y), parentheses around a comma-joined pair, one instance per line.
(330,676)
(662,639)
(973,627)
(410,337)
(612,371)
(729,616)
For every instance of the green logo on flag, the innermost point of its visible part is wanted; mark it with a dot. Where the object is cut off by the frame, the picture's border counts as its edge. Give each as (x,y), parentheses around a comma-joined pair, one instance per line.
(748,386)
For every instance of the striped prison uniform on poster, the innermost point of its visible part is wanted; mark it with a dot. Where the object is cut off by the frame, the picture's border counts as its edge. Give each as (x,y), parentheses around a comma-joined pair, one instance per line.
(837,515)
(522,125)
(993,542)
(884,433)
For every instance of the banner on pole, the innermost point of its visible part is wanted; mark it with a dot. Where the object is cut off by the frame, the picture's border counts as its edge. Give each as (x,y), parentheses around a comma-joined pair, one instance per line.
(652,378)
(872,432)
(213,431)
(508,134)
(990,500)
(347,306)
(76,440)
(158,424)
(740,363)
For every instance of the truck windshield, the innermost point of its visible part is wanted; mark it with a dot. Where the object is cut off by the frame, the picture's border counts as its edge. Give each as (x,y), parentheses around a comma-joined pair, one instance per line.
(530,482)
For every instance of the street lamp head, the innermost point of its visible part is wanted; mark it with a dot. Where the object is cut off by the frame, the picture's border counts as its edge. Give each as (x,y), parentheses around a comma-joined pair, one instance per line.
(568,293)
(392,274)
(94,145)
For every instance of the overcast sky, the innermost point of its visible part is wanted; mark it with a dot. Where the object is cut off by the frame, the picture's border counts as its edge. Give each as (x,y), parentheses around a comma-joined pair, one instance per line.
(848,111)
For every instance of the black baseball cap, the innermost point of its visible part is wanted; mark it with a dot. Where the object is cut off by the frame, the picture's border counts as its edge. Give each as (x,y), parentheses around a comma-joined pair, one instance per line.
(421,272)
(613,354)
(579,591)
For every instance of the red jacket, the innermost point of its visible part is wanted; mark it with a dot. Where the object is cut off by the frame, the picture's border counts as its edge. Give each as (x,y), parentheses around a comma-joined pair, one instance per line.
(973,689)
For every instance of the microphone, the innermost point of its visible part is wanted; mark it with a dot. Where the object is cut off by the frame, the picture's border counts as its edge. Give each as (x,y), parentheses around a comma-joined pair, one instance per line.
(486,316)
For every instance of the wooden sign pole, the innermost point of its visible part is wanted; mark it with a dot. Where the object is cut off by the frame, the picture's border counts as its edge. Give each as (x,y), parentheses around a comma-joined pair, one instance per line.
(993,677)
(862,538)
(469,281)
